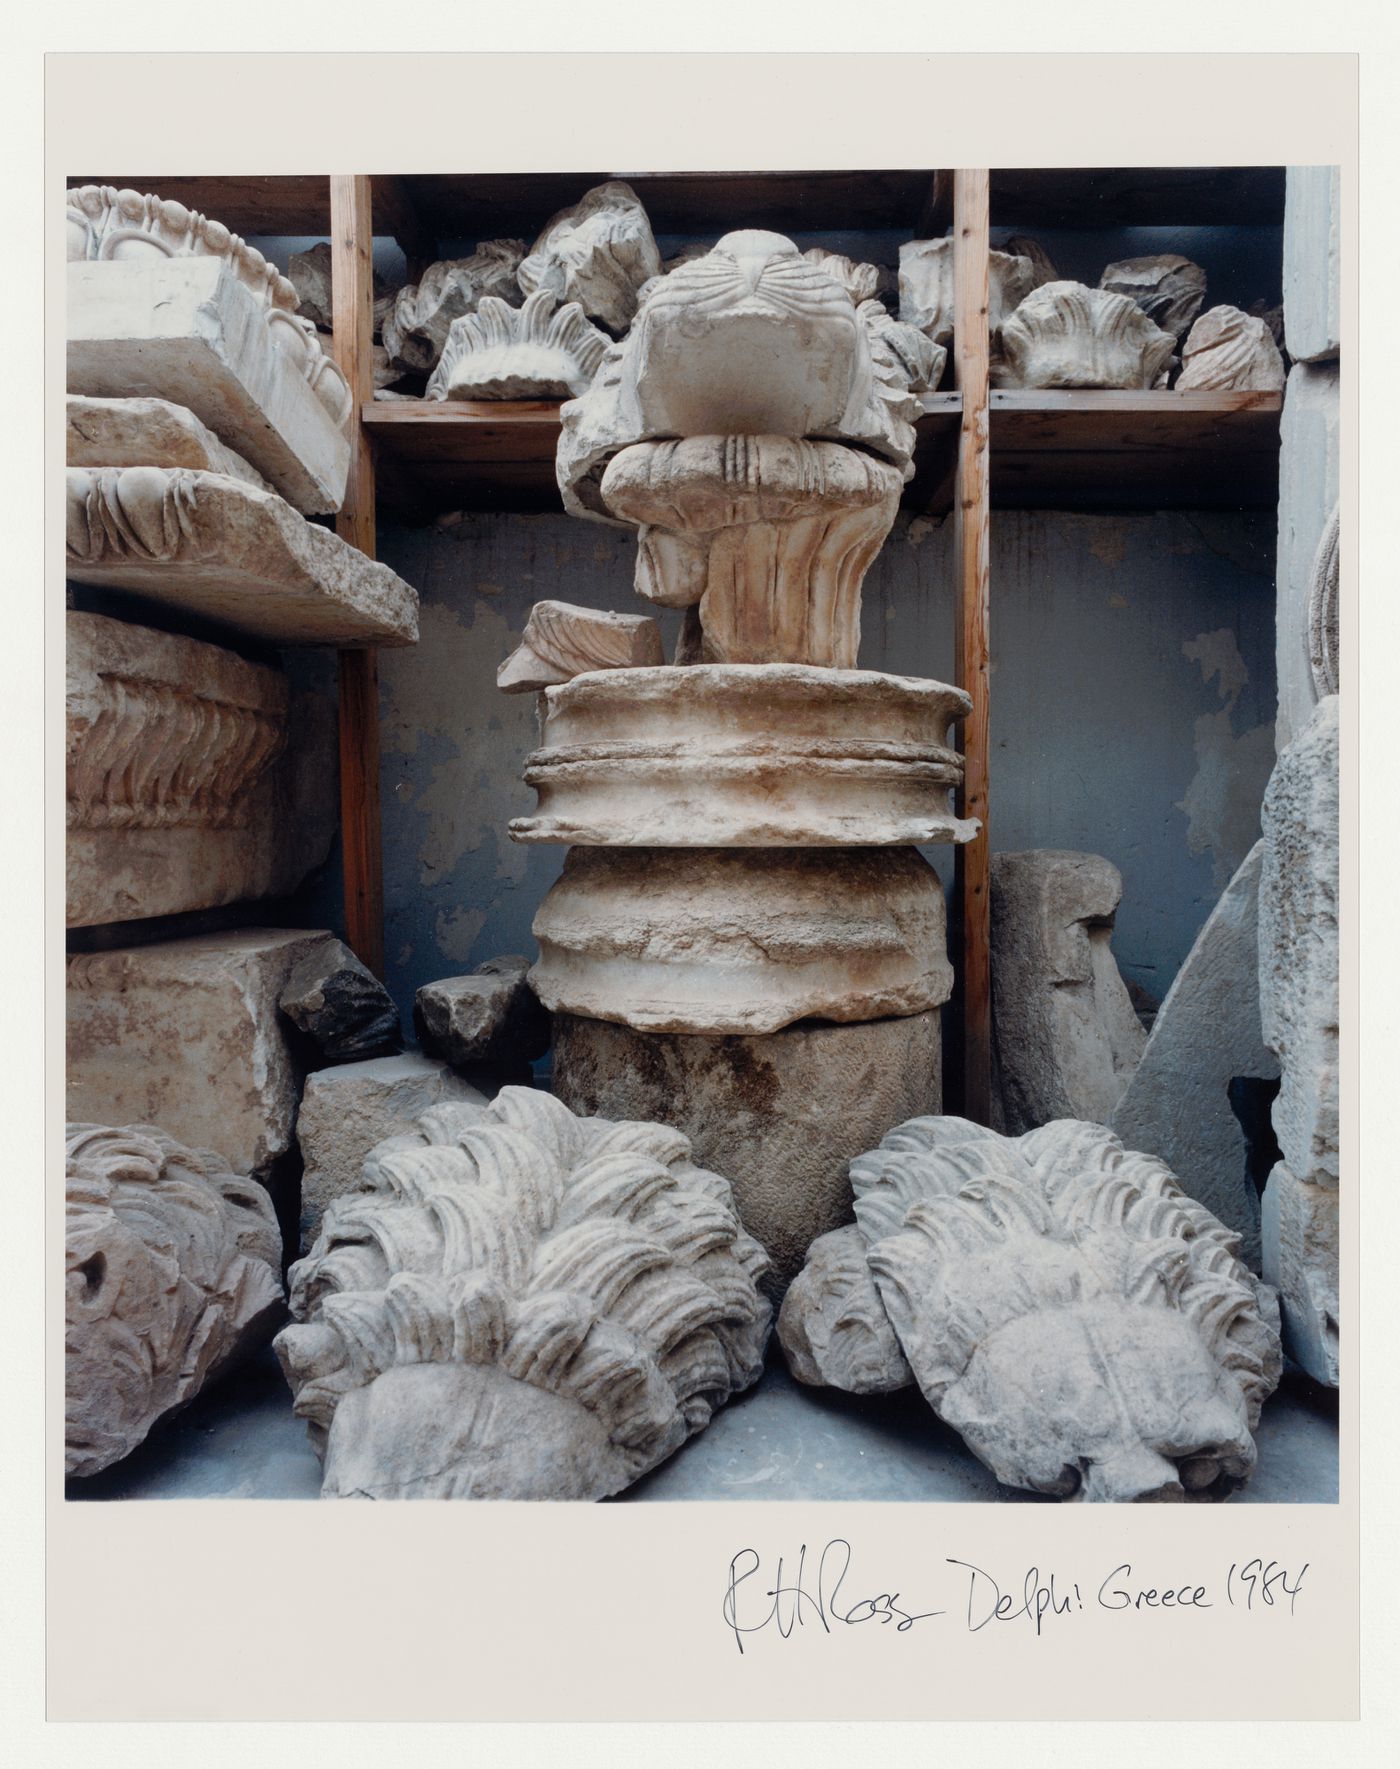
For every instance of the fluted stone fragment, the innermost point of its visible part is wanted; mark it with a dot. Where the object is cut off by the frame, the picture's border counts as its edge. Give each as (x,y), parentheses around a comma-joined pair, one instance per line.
(417,325)
(172,1275)
(562,641)
(1168,288)
(1027,1281)
(522,1305)
(538,351)
(1066,335)
(1230,351)
(599,253)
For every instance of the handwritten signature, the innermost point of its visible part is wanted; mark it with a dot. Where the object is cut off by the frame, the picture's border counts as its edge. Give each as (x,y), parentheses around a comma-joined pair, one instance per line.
(792,1604)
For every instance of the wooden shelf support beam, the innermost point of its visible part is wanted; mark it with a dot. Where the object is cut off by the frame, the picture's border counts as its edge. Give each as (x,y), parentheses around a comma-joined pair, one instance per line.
(352,297)
(972,549)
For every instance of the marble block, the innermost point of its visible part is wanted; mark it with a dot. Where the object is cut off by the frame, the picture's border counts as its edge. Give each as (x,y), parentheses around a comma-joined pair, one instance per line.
(745,756)
(1301,1232)
(598,252)
(1168,288)
(224,550)
(194,778)
(1062,1304)
(1309,489)
(148,433)
(562,641)
(782,1114)
(1312,255)
(346,1111)
(520,1305)
(770,537)
(1207,1034)
(173,1274)
(1230,351)
(417,325)
(1066,335)
(731,940)
(187,1034)
(538,351)
(187,330)
(1065,1035)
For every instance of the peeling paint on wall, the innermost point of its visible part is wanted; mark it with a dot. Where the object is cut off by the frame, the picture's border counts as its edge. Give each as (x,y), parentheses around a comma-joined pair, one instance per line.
(1232,768)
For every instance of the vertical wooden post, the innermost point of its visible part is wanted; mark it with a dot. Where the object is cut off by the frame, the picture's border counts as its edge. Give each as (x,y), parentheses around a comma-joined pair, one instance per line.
(971,525)
(352,296)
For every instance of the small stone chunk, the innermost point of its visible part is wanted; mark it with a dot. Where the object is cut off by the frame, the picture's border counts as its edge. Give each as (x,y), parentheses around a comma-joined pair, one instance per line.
(598,253)
(341,1005)
(562,641)
(1168,288)
(491,1016)
(1232,352)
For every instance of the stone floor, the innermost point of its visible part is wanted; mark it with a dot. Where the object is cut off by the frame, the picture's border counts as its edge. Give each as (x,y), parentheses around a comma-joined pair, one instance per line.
(780,1441)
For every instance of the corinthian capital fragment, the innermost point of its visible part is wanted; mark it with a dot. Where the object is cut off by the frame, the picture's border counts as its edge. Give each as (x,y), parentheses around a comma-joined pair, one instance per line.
(1067,335)
(538,351)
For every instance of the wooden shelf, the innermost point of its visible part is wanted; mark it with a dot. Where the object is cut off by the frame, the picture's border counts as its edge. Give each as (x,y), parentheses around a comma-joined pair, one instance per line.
(1075,450)
(1155,450)
(1138,196)
(438,455)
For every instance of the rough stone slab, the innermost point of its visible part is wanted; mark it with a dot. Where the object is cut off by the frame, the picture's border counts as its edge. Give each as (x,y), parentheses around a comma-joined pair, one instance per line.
(1312,248)
(341,1006)
(733,940)
(1299,956)
(229,552)
(780,1116)
(194,777)
(491,1016)
(1065,1034)
(1207,1033)
(1309,468)
(148,433)
(173,1274)
(186,1034)
(347,1110)
(1301,1228)
(188,331)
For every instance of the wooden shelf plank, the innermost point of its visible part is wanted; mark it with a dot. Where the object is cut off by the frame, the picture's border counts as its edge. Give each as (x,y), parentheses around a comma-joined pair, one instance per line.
(270,205)
(443,455)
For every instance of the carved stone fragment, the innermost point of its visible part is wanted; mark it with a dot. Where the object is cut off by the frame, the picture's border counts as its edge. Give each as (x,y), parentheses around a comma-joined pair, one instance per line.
(1168,288)
(1065,1035)
(771,536)
(347,1110)
(833,1327)
(341,1006)
(491,1016)
(562,641)
(1027,1279)
(598,253)
(784,1112)
(751,340)
(926,287)
(1021,245)
(1298,993)
(187,1033)
(416,327)
(1205,1039)
(222,549)
(1067,335)
(310,275)
(746,756)
(1309,487)
(524,1305)
(1230,351)
(164,302)
(172,1275)
(1324,634)
(860,281)
(538,351)
(726,940)
(148,433)
(184,791)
